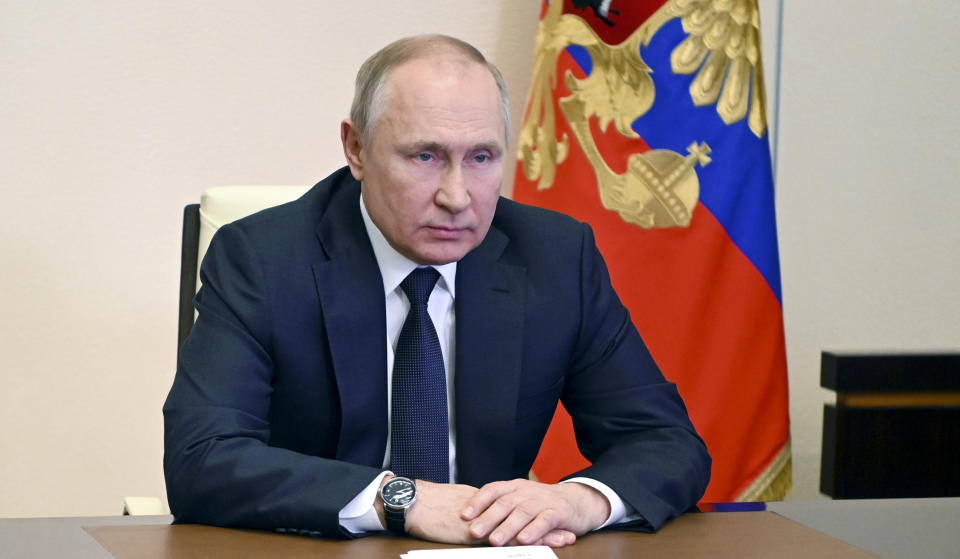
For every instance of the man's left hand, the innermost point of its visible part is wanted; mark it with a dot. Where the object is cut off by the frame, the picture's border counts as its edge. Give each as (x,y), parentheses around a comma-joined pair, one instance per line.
(529,513)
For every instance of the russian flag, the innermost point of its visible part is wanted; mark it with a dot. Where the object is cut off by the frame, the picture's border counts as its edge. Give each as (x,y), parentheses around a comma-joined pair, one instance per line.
(665,153)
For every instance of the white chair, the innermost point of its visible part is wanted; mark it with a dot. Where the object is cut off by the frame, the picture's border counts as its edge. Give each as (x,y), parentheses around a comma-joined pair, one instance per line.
(218,206)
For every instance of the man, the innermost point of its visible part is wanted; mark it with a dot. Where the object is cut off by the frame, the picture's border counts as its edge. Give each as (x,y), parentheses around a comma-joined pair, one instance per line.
(290,405)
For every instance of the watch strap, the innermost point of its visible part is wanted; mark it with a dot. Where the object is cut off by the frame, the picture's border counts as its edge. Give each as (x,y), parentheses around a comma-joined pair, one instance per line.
(396,519)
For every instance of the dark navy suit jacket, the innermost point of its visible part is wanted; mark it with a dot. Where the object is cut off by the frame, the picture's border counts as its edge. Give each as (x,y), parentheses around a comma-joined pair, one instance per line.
(278,413)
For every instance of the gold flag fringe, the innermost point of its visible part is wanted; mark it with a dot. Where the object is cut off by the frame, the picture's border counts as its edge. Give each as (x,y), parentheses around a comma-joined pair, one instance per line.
(774,483)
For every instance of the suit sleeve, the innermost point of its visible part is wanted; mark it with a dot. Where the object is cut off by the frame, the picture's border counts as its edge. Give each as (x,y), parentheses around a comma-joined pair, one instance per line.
(218,464)
(629,421)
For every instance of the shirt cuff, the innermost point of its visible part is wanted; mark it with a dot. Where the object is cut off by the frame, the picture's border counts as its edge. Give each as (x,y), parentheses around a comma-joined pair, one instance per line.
(618,509)
(359,515)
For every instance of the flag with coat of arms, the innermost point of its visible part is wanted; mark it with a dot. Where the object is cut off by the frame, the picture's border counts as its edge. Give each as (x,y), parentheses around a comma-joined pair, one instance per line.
(646,119)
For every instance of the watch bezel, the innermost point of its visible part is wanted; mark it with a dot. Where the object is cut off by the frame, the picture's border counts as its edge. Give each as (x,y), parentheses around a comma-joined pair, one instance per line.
(397,480)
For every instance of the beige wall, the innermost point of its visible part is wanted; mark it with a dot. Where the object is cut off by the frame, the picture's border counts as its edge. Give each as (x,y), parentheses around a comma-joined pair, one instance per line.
(867,196)
(116,114)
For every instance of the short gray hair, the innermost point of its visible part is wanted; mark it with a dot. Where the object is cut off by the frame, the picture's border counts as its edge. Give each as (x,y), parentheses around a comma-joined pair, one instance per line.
(368,97)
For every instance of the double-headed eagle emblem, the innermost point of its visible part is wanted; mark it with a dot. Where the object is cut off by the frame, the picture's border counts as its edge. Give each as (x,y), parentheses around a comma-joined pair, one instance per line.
(660,187)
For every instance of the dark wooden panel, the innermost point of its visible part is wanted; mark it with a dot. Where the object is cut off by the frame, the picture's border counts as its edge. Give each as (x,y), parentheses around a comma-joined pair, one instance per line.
(890,452)
(890,372)
(829,467)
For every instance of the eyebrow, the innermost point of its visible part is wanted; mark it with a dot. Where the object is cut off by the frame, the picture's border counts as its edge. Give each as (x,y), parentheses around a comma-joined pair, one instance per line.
(492,147)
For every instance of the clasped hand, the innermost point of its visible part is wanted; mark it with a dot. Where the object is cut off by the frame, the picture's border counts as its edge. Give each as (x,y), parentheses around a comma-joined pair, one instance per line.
(519,511)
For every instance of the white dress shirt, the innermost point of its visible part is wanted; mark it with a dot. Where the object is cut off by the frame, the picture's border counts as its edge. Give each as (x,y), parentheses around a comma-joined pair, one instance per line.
(359,514)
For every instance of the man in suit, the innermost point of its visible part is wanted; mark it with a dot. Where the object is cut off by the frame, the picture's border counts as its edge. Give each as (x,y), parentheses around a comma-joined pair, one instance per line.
(293,406)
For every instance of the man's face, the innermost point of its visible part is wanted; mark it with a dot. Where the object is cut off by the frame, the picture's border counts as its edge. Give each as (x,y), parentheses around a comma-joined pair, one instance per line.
(432,172)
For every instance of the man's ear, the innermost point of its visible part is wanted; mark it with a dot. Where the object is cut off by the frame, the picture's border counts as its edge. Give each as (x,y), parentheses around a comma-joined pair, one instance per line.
(352,148)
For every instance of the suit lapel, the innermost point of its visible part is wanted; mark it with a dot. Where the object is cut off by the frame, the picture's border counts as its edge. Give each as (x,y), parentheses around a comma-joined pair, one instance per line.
(350,289)
(489,346)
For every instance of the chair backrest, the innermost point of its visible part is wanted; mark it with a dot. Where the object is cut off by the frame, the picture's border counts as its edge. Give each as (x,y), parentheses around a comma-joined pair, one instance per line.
(218,206)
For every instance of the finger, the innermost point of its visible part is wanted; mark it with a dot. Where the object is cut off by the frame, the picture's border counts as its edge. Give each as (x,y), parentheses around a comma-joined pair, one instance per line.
(498,512)
(483,498)
(494,517)
(518,520)
(556,538)
(539,526)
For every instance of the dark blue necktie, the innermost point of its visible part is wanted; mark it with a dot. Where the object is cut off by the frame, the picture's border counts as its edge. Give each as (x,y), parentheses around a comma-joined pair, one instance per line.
(419,430)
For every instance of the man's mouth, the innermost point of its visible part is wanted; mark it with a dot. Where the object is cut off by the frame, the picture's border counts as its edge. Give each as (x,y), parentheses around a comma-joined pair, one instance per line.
(447,232)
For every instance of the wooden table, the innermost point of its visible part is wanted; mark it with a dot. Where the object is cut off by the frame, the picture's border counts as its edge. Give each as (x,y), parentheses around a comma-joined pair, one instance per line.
(909,528)
(716,535)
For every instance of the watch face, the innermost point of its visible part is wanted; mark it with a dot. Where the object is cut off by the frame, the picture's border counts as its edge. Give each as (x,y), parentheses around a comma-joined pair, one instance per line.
(399,492)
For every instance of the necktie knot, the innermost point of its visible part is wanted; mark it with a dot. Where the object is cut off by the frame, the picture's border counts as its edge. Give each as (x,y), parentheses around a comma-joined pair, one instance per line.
(419,284)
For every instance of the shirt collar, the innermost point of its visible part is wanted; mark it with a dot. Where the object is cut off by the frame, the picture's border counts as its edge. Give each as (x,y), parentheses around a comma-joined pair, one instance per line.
(394,267)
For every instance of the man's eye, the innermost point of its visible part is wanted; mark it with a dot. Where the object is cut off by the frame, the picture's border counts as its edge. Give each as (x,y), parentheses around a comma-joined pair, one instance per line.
(425,157)
(481,158)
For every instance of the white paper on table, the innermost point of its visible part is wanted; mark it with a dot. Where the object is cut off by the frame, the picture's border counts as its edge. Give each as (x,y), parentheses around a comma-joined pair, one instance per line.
(517,552)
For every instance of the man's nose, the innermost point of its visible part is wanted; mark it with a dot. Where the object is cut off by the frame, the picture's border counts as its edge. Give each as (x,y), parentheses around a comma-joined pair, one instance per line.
(453,194)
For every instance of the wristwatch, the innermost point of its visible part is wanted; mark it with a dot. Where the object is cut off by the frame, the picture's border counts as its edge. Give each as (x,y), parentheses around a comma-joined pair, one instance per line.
(398,495)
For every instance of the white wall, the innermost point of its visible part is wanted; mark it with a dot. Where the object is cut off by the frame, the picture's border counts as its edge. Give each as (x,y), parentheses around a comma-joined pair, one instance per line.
(114,115)
(867,193)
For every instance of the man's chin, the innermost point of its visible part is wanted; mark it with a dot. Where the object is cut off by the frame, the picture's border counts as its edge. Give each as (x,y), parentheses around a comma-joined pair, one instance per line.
(439,253)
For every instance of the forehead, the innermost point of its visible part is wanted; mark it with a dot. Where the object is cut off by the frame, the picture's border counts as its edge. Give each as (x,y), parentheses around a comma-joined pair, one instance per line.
(443,94)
